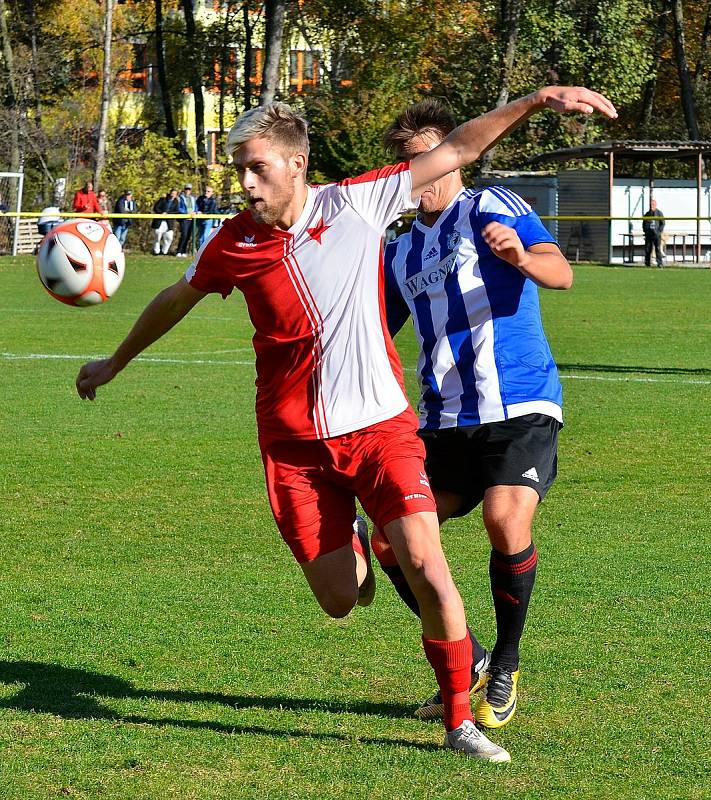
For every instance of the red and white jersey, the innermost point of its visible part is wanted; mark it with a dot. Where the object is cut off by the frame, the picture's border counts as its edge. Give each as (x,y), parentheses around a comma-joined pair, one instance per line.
(326,364)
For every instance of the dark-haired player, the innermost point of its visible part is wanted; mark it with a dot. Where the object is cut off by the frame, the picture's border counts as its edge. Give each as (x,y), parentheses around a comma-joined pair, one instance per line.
(491,402)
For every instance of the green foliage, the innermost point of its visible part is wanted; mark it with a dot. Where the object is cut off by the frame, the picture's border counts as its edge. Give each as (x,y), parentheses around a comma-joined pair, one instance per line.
(150,170)
(347,128)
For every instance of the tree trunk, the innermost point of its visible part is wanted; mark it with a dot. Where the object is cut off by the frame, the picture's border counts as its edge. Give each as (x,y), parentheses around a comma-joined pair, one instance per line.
(162,75)
(32,20)
(105,93)
(703,50)
(247,71)
(274,11)
(650,87)
(510,23)
(194,57)
(687,91)
(12,98)
(224,67)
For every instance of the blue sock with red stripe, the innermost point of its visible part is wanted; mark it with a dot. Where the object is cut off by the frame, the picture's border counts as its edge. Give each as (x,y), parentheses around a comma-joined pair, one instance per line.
(512,578)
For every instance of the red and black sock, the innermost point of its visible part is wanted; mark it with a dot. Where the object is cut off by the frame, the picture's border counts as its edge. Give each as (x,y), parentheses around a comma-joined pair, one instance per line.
(386,558)
(452,665)
(512,578)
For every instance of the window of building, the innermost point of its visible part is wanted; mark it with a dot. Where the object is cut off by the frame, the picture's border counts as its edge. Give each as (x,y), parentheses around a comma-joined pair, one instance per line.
(304,69)
(230,79)
(255,66)
(134,78)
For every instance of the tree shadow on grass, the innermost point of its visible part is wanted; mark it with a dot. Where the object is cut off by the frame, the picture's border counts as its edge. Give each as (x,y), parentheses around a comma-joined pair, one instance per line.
(620,369)
(73,693)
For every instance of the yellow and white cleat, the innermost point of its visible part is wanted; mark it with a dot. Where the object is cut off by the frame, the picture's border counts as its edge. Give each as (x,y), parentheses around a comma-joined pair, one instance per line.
(497,702)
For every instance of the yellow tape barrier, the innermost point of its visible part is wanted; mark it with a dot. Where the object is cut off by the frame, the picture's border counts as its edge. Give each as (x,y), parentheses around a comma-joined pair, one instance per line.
(78,215)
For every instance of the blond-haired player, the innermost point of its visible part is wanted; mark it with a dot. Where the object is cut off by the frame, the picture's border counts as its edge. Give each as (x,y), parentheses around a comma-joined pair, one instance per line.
(333,419)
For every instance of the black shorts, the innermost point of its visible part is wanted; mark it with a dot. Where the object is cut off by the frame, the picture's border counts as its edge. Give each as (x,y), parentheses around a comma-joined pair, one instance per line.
(522,451)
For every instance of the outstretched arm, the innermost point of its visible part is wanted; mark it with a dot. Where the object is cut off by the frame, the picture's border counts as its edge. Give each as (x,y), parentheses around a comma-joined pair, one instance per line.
(543,263)
(471,140)
(165,310)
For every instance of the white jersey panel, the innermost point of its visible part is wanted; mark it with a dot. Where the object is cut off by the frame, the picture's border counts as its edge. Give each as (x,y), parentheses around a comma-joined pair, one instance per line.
(482,328)
(336,260)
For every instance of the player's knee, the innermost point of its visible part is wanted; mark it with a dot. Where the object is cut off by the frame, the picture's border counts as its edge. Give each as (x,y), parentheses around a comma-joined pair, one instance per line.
(509,533)
(337,603)
(431,582)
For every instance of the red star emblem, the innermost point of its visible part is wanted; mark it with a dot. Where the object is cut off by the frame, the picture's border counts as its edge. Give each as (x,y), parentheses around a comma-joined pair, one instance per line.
(317,232)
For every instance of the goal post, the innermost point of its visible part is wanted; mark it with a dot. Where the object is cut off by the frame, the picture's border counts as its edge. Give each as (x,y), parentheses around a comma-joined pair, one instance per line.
(11,185)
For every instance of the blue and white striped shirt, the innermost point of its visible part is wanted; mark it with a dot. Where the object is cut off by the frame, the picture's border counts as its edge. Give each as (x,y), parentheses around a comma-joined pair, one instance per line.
(483,354)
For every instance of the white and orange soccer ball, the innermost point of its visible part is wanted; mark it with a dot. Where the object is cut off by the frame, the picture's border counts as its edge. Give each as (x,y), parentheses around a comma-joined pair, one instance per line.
(80,262)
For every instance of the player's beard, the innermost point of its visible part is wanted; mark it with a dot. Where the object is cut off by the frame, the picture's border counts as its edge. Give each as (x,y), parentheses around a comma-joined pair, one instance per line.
(270,213)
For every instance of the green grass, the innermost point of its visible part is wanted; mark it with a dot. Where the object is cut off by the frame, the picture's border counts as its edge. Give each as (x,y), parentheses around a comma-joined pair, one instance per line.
(158,641)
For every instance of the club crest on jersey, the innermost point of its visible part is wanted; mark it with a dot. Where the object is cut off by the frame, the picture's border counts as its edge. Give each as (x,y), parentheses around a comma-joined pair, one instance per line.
(431,276)
(248,242)
(453,240)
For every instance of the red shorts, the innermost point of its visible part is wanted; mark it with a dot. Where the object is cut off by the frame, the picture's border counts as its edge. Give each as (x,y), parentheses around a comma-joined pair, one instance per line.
(313,483)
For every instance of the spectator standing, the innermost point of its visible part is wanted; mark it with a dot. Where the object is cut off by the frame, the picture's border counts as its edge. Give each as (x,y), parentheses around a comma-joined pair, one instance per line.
(205,204)
(163,229)
(124,205)
(85,200)
(186,205)
(49,218)
(103,200)
(653,229)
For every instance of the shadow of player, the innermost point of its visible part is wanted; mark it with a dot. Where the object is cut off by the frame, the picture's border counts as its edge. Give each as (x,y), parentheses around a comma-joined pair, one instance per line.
(74,693)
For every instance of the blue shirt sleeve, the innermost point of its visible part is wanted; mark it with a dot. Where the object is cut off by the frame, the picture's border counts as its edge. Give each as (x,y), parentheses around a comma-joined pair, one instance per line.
(502,205)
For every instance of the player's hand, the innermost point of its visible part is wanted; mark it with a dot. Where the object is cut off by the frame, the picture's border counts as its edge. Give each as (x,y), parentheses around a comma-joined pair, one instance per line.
(505,243)
(576,99)
(92,375)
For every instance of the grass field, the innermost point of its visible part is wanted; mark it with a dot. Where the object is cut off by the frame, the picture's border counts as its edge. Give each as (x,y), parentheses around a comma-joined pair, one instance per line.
(157,640)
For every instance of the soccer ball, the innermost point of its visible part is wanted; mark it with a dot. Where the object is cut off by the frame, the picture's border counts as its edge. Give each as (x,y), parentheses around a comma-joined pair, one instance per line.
(80,262)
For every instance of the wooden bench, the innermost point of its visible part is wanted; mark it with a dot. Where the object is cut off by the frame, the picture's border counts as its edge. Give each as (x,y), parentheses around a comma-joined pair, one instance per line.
(28,237)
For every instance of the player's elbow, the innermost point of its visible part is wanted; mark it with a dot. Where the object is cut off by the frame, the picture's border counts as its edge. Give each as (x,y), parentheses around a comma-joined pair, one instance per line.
(566,281)
(564,275)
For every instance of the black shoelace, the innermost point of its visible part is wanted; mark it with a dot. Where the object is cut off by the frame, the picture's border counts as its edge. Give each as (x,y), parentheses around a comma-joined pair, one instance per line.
(498,687)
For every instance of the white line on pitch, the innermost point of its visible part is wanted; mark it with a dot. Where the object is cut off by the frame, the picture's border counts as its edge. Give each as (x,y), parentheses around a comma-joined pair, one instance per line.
(147,359)
(215,362)
(632,380)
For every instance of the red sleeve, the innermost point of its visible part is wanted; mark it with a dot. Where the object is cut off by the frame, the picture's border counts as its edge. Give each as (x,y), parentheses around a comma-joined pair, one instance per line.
(76,205)
(208,273)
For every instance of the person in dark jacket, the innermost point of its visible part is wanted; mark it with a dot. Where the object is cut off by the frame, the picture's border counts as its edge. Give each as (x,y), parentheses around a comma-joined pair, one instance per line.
(206,204)
(652,229)
(186,205)
(124,205)
(164,229)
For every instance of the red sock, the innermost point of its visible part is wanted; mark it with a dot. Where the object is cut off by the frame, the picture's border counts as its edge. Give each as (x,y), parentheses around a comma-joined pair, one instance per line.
(358,547)
(382,549)
(452,665)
